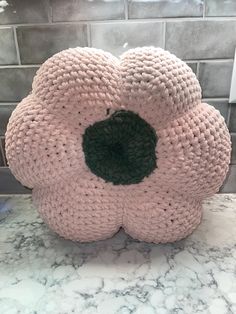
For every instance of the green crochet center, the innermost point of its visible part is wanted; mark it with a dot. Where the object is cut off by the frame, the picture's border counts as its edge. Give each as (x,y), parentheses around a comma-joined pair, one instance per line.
(120,149)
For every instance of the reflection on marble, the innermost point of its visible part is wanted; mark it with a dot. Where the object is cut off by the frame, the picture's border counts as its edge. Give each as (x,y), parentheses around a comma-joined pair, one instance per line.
(43,273)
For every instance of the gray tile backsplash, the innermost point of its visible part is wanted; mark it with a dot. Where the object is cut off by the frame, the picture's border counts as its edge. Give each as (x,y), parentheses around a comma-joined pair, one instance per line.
(7,46)
(24,11)
(6,110)
(220,8)
(83,10)
(119,37)
(8,184)
(232,121)
(37,43)
(201,39)
(221,105)
(202,32)
(2,163)
(233,155)
(2,152)
(193,66)
(140,9)
(15,83)
(229,185)
(215,78)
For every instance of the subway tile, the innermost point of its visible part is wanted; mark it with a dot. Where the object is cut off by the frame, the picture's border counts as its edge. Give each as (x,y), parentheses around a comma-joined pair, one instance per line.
(232,121)
(229,185)
(198,39)
(2,162)
(215,78)
(2,144)
(24,11)
(7,44)
(169,8)
(220,8)
(5,113)
(15,83)
(193,66)
(221,105)
(9,185)
(37,43)
(119,37)
(233,155)
(83,10)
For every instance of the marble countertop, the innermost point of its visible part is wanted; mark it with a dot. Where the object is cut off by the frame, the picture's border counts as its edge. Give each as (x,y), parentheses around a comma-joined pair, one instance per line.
(41,273)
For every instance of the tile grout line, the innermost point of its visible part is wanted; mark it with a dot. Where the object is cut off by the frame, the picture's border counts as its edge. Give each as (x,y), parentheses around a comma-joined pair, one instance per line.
(126,9)
(7,103)
(113,21)
(49,6)
(19,66)
(17,46)
(89,39)
(15,194)
(228,116)
(204,9)
(12,66)
(164,35)
(209,60)
(215,99)
(197,70)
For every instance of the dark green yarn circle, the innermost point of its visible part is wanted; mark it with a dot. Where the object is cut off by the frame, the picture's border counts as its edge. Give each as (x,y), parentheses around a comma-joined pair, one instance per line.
(120,149)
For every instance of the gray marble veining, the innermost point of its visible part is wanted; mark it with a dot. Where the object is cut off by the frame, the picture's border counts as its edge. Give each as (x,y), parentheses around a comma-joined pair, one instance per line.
(43,273)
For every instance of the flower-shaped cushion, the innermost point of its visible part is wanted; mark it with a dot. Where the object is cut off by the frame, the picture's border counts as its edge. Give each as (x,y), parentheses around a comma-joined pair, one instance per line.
(108,143)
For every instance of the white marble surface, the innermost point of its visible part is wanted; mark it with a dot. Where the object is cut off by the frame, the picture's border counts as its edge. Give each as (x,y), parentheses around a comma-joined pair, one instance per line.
(41,273)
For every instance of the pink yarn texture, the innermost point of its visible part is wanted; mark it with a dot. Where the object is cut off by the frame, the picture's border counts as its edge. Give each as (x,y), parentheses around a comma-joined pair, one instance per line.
(71,91)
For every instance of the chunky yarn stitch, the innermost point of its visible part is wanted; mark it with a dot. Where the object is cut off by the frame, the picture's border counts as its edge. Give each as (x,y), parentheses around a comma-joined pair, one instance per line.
(108,143)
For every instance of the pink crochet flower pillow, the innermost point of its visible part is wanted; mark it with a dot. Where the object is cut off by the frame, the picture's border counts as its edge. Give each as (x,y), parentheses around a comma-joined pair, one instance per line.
(108,143)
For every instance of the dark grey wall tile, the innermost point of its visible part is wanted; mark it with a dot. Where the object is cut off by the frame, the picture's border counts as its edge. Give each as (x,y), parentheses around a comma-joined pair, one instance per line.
(37,43)
(15,83)
(222,106)
(193,66)
(5,113)
(7,46)
(119,37)
(232,121)
(9,185)
(215,78)
(83,10)
(230,182)
(233,155)
(201,39)
(2,149)
(2,162)
(168,8)
(24,11)
(220,8)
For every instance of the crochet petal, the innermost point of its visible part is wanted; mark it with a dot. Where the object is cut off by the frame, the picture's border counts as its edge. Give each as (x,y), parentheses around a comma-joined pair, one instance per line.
(41,148)
(162,217)
(194,153)
(79,209)
(80,83)
(157,85)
